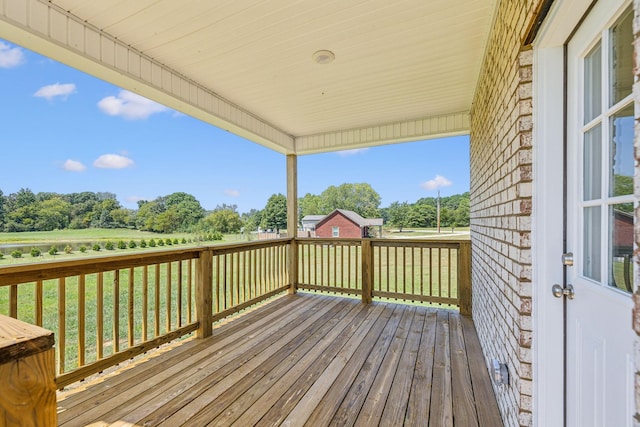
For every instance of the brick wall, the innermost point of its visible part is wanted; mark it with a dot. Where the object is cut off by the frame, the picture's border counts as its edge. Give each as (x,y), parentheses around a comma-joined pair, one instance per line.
(501,182)
(348,228)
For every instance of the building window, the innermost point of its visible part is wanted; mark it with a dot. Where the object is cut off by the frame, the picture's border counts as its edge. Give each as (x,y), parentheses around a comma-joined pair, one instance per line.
(335,231)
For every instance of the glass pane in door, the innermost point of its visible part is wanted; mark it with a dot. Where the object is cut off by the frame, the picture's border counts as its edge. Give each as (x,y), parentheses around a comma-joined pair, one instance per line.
(621,246)
(621,59)
(593,84)
(592,248)
(592,163)
(621,157)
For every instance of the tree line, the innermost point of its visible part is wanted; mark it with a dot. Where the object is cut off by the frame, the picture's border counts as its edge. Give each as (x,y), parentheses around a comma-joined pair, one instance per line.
(182,212)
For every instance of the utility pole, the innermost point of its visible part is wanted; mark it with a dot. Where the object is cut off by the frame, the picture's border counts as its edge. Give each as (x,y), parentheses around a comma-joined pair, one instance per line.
(438,211)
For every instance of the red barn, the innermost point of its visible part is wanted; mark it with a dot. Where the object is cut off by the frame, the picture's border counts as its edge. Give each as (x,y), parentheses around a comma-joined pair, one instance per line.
(343,223)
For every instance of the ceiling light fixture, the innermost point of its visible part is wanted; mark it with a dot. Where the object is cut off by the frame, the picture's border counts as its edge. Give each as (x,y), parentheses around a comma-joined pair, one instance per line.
(323,57)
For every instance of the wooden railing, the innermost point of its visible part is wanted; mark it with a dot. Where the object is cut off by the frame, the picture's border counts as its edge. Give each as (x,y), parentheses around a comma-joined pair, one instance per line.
(105,310)
(429,271)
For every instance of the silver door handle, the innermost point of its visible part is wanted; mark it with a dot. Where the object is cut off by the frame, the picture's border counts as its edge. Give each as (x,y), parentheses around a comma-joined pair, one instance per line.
(559,292)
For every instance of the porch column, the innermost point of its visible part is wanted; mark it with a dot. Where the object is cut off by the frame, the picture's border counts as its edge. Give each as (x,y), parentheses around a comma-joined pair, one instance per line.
(292,219)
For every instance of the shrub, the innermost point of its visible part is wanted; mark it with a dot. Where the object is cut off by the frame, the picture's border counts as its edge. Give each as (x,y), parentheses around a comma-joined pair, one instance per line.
(68,249)
(175,241)
(152,243)
(1,255)
(160,242)
(96,247)
(35,252)
(216,236)
(16,254)
(132,244)
(168,241)
(83,249)
(53,250)
(109,245)
(143,243)
(184,240)
(122,244)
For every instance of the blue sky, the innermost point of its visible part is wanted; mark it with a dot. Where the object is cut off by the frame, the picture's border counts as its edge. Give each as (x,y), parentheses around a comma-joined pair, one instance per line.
(65,131)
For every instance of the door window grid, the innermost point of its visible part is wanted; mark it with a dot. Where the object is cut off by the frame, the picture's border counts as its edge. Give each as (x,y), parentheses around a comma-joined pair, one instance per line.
(607,157)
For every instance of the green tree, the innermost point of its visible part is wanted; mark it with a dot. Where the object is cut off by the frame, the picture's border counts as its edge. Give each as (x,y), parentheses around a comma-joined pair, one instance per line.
(2,210)
(187,209)
(53,214)
(422,216)
(310,204)
(360,198)
(398,214)
(274,215)
(224,221)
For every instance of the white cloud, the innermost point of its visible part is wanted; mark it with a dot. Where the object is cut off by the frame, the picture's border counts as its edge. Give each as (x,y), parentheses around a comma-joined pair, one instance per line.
(347,153)
(73,166)
(113,161)
(10,56)
(130,106)
(51,91)
(438,182)
(232,193)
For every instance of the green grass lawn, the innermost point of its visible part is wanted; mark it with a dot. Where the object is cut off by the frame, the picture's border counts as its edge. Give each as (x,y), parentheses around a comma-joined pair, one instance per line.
(461,233)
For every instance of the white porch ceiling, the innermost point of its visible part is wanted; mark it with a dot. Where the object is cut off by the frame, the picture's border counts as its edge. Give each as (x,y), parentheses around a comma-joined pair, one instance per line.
(403,70)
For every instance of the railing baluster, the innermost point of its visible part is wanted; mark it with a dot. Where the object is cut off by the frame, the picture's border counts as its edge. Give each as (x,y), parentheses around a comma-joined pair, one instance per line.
(179,296)
(13,301)
(145,301)
(450,273)
(218,280)
(167,319)
(116,311)
(100,316)
(81,319)
(130,322)
(62,320)
(189,289)
(39,297)
(156,296)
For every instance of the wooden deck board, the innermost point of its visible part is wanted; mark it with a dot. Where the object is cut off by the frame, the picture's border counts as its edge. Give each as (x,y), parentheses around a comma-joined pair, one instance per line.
(305,359)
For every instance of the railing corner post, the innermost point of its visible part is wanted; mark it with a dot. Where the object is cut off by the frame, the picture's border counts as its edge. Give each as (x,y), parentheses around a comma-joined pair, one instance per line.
(464,278)
(204,294)
(367,274)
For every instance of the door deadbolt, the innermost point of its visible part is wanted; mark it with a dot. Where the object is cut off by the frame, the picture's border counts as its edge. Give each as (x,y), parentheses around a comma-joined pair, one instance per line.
(558,291)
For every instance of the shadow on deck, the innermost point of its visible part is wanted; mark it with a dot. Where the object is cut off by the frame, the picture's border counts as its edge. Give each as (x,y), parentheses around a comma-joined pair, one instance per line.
(304,359)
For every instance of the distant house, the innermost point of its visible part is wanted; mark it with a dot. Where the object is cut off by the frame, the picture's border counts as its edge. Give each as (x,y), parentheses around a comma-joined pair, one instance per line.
(344,223)
(309,222)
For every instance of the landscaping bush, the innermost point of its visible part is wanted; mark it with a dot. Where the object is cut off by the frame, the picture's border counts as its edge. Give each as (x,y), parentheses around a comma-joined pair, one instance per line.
(168,241)
(1,255)
(35,252)
(68,249)
(152,243)
(132,244)
(109,245)
(96,247)
(184,240)
(143,243)
(83,249)
(122,244)
(175,241)
(16,254)
(53,250)
(160,242)
(216,236)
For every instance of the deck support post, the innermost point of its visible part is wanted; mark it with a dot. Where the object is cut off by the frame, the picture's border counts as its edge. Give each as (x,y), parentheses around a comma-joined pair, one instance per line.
(204,294)
(292,220)
(464,278)
(367,271)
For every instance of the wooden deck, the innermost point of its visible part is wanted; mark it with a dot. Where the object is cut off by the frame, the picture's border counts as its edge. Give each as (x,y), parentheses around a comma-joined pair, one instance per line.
(304,360)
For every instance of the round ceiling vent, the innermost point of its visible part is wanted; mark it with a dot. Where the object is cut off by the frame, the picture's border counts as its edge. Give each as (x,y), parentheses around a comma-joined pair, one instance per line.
(323,57)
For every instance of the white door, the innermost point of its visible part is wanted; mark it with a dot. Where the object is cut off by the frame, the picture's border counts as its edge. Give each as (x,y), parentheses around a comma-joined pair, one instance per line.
(600,202)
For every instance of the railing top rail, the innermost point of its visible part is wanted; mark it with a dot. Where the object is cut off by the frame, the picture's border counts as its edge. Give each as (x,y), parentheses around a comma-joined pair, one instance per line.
(431,243)
(25,273)
(244,246)
(330,241)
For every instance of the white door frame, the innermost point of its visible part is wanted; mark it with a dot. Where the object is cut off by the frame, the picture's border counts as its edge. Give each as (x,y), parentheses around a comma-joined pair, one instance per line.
(547,220)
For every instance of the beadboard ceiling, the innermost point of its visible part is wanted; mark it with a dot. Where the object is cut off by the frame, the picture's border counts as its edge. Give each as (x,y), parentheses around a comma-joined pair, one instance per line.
(400,66)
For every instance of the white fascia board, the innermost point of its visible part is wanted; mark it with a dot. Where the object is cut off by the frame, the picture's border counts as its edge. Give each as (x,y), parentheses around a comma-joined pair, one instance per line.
(391,133)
